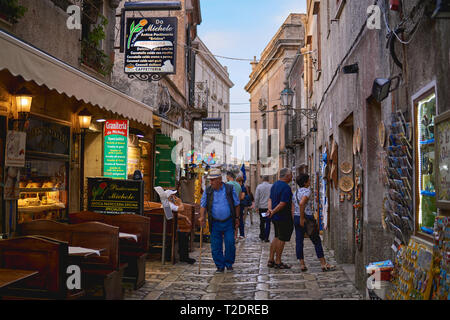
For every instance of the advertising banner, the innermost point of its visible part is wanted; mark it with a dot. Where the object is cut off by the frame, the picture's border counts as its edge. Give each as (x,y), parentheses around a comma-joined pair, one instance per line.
(115,149)
(15,149)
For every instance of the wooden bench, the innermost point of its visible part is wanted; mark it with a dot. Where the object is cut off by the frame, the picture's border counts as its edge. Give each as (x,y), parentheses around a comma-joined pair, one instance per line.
(131,252)
(46,256)
(104,270)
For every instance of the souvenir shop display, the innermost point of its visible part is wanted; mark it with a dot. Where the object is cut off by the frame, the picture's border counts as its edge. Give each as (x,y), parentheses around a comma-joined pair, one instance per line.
(358,207)
(323,190)
(398,213)
(441,280)
(413,272)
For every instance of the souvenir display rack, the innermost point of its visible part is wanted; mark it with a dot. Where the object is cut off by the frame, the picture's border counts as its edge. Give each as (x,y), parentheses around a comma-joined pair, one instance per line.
(441,280)
(413,272)
(398,214)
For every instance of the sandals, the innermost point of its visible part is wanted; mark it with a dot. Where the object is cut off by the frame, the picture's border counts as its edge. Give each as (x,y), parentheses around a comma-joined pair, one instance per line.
(282,266)
(271,264)
(303,268)
(328,267)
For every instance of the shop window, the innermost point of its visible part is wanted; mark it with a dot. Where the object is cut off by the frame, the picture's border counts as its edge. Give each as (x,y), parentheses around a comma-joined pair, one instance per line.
(426,211)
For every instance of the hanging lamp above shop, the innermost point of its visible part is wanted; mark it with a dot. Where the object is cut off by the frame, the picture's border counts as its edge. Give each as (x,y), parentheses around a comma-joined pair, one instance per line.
(84,118)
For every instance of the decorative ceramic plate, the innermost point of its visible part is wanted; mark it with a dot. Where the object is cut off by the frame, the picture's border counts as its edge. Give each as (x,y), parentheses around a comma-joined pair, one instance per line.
(381,134)
(346,184)
(346,167)
(358,140)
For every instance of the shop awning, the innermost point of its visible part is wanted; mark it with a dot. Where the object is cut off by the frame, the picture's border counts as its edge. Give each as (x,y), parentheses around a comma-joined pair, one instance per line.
(32,64)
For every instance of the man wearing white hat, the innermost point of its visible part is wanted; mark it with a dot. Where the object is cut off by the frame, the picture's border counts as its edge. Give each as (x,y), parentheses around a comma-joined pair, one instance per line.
(221,203)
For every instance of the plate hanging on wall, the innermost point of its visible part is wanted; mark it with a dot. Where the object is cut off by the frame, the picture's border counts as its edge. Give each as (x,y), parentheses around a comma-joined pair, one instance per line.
(358,140)
(354,143)
(381,134)
(346,167)
(346,184)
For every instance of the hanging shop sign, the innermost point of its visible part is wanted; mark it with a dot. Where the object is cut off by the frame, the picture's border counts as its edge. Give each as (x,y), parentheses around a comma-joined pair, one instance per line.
(115,149)
(443,160)
(47,137)
(212,125)
(15,149)
(150,47)
(115,196)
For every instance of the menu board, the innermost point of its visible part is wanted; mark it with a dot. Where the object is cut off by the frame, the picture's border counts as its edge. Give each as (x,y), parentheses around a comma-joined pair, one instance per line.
(151,45)
(115,149)
(115,196)
(443,160)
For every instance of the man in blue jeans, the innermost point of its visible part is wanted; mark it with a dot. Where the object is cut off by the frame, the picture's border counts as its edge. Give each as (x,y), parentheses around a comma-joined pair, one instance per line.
(221,203)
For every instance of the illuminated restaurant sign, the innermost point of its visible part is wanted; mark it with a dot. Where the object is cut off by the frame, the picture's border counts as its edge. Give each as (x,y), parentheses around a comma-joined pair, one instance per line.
(115,149)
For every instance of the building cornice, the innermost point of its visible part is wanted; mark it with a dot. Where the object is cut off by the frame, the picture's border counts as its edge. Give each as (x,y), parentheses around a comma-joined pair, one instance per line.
(212,62)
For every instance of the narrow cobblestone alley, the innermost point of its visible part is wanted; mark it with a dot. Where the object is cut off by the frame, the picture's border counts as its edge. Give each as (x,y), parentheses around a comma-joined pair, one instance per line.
(251,279)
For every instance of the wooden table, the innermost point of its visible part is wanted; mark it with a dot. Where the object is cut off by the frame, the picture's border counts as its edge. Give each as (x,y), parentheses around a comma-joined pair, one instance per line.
(11,276)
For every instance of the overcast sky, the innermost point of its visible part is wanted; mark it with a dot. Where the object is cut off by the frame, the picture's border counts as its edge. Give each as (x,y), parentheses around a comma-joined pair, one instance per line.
(242,29)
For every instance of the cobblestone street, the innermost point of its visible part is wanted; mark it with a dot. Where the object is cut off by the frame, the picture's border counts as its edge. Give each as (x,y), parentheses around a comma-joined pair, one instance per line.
(251,279)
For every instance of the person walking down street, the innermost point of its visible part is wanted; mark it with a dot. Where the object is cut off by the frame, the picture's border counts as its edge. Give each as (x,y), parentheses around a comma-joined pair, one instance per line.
(231,180)
(262,194)
(244,204)
(280,211)
(305,222)
(220,202)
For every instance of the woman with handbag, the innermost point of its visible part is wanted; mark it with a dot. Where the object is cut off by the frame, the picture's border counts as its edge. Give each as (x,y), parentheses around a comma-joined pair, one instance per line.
(305,222)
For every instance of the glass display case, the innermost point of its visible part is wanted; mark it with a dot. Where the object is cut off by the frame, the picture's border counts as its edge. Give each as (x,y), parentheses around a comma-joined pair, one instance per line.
(43,190)
(425,146)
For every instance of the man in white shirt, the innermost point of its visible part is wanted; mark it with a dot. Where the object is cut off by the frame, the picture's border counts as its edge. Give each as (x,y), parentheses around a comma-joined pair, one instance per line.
(262,195)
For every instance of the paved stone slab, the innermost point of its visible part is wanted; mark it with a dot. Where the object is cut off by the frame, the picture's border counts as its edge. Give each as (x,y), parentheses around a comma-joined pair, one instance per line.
(251,279)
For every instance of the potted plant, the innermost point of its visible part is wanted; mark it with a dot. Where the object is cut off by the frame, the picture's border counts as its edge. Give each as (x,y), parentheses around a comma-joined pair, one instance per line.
(91,54)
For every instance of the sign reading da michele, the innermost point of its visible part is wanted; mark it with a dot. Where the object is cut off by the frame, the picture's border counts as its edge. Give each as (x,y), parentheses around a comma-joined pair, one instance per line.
(150,45)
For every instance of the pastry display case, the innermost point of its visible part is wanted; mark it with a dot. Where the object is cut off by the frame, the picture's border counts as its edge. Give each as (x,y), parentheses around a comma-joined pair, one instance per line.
(43,190)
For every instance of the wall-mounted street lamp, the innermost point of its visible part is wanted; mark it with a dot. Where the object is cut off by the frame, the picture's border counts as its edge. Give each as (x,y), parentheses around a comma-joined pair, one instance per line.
(84,119)
(24,99)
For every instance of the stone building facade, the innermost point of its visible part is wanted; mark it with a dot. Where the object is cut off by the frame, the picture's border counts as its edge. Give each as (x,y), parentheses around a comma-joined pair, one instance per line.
(172,96)
(266,83)
(212,94)
(339,34)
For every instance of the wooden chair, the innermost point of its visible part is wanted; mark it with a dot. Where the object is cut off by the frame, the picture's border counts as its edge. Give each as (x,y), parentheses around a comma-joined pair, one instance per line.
(48,257)
(106,269)
(131,252)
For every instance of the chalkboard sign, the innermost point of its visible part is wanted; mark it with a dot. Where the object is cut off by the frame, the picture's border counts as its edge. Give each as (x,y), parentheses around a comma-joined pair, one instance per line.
(442,130)
(115,196)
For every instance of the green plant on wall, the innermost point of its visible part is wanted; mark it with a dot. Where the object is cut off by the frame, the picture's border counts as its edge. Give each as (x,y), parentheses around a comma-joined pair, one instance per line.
(11,11)
(91,53)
